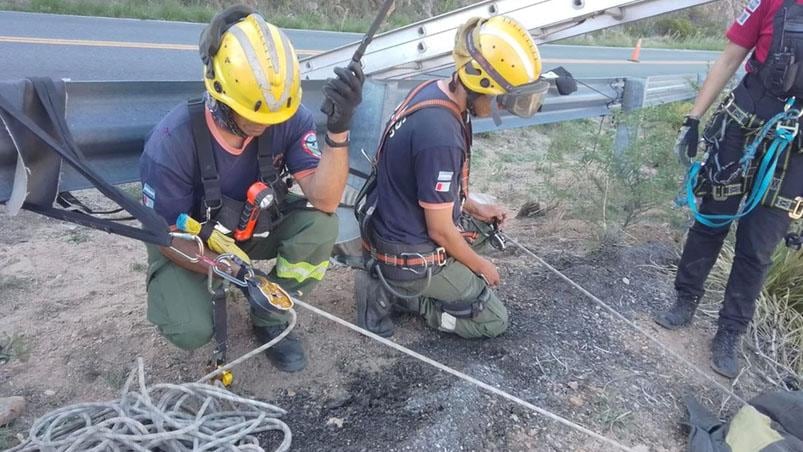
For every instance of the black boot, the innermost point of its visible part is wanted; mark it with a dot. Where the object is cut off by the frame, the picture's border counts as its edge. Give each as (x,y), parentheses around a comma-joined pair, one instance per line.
(373,305)
(287,355)
(680,314)
(723,349)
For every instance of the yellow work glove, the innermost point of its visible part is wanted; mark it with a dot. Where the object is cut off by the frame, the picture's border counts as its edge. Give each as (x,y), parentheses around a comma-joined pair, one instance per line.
(217,242)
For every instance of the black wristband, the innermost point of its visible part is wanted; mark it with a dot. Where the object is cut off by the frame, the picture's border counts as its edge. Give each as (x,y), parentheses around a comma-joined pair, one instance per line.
(335,144)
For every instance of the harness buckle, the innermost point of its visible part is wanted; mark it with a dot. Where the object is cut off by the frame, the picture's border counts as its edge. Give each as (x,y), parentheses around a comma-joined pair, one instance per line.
(796,212)
(441,256)
(791,129)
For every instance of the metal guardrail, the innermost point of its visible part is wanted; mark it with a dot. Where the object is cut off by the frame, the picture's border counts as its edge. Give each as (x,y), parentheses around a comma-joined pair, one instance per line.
(110,120)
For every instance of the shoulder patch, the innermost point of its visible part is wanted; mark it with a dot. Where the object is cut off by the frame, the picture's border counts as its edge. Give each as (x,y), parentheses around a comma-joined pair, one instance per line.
(743,17)
(310,144)
(148,196)
(753,5)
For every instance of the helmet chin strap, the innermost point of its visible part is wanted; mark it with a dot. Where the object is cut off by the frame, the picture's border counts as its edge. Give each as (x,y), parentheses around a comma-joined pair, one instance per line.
(471,96)
(223,116)
(495,113)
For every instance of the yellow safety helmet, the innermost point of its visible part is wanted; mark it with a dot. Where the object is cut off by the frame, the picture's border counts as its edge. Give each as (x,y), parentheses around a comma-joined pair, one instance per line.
(494,55)
(255,72)
(498,57)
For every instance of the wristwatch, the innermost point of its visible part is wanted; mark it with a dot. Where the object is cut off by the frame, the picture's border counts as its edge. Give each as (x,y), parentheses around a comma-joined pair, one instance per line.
(337,144)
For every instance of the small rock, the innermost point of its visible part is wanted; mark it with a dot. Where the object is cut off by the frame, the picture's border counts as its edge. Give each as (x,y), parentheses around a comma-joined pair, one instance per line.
(574,385)
(10,409)
(514,417)
(336,421)
(626,281)
(291,393)
(50,392)
(640,448)
(576,401)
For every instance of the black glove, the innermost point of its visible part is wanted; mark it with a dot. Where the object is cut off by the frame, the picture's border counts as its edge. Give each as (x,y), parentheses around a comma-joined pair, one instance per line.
(688,140)
(210,37)
(344,93)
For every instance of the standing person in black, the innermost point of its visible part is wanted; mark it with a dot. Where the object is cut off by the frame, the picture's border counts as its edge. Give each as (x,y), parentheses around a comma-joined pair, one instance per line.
(773,30)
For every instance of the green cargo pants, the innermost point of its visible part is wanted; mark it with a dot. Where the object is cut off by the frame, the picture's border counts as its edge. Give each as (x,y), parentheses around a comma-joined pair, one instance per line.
(456,282)
(180,305)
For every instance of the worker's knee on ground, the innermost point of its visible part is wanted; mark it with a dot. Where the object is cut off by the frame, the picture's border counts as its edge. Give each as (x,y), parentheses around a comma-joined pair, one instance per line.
(491,322)
(485,316)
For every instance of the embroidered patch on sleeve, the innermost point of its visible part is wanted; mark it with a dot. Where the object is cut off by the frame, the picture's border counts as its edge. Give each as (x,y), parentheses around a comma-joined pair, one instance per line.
(310,144)
(148,196)
(743,17)
(753,5)
(445,175)
(443,186)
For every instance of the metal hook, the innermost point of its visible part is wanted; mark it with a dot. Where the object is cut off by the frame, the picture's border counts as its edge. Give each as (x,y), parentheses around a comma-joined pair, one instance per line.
(188,237)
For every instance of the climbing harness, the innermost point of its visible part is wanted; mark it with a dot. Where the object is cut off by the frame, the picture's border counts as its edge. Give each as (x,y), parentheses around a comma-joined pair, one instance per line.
(757,178)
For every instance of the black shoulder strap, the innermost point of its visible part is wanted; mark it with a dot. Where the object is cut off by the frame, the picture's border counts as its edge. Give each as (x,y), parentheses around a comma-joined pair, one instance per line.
(267,172)
(210,180)
(154,228)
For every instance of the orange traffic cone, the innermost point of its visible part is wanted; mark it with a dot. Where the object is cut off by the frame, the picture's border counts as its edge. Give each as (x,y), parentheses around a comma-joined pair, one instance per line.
(634,57)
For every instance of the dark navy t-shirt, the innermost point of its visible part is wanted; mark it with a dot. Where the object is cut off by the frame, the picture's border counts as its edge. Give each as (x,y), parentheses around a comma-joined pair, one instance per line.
(169,170)
(419,168)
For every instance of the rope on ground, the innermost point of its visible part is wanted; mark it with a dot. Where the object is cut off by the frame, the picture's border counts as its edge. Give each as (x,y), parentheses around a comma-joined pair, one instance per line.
(462,376)
(254,352)
(629,322)
(169,417)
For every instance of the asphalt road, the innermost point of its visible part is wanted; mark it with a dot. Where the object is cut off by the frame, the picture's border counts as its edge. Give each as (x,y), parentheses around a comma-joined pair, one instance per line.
(92,48)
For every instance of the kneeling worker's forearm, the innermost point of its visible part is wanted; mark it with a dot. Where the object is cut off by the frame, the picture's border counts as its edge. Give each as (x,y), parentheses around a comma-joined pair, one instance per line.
(327,183)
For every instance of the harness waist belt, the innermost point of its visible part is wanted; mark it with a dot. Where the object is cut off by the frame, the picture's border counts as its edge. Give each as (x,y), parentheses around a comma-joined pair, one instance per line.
(408,259)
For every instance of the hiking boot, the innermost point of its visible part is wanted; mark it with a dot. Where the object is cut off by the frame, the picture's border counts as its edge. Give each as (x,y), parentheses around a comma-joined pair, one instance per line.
(373,305)
(723,350)
(679,315)
(287,355)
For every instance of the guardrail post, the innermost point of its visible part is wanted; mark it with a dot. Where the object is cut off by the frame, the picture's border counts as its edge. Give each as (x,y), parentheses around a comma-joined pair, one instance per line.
(627,130)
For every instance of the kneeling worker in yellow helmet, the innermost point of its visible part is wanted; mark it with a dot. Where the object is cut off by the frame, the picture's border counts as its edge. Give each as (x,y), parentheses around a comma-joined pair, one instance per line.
(244,142)
(419,224)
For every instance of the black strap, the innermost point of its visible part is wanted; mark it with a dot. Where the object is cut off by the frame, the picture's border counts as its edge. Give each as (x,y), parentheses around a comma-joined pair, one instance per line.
(220,325)
(69,201)
(154,228)
(210,179)
(267,172)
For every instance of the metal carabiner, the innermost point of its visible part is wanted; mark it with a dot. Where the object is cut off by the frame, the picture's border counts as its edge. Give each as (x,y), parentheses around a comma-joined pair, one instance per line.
(227,260)
(188,237)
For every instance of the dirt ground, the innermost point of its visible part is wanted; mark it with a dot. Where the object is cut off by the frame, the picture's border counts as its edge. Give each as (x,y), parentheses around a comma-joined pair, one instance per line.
(74,301)
(75,298)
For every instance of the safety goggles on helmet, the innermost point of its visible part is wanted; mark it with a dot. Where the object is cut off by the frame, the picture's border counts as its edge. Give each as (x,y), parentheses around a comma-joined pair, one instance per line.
(524,101)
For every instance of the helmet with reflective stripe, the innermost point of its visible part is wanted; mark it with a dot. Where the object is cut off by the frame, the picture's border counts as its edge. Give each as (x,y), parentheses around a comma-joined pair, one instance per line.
(255,72)
(495,55)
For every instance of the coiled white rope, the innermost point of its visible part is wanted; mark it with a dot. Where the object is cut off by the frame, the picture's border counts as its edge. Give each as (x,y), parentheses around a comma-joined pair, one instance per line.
(168,417)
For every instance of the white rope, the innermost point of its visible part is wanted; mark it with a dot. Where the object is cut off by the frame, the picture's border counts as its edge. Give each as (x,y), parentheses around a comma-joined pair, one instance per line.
(254,352)
(632,324)
(462,376)
(169,417)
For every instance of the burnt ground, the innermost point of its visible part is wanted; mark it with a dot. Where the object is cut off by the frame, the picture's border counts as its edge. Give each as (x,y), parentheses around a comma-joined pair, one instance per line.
(562,353)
